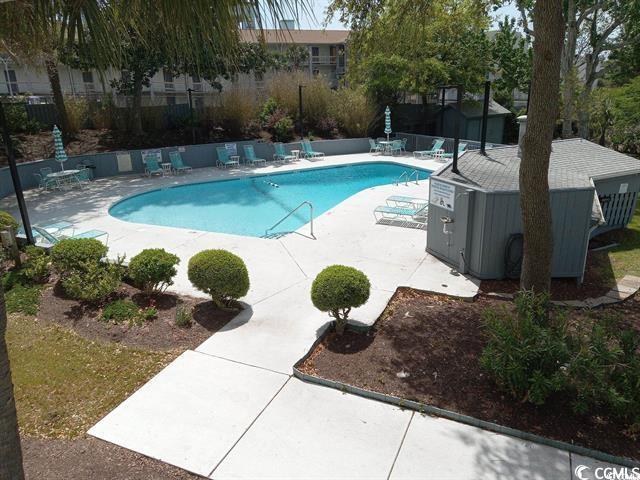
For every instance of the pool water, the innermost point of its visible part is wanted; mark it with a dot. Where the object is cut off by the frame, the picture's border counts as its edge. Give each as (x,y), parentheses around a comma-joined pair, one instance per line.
(248,206)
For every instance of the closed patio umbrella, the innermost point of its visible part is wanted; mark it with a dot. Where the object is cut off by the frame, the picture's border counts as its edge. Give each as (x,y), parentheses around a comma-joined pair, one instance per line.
(61,155)
(387,122)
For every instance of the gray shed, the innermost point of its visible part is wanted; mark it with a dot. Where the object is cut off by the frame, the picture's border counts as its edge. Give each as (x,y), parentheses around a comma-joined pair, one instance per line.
(471,121)
(474,216)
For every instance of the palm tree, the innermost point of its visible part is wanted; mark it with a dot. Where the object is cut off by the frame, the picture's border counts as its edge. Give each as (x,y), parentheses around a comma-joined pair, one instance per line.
(97,27)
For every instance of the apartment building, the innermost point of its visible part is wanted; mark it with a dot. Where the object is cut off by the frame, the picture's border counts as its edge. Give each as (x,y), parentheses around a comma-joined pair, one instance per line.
(327,57)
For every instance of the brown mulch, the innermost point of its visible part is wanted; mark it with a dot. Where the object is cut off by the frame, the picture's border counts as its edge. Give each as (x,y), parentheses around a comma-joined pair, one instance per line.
(598,280)
(92,459)
(426,348)
(161,333)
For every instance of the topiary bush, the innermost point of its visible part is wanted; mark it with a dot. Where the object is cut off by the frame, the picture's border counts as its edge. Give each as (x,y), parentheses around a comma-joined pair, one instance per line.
(337,289)
(219,273)
(526,352)
(7,222)
(70,254)
(153,270)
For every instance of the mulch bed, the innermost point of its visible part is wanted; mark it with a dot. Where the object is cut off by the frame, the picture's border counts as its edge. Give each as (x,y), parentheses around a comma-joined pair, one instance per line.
(161,333)
(598,280)
(90,458)
(426,348)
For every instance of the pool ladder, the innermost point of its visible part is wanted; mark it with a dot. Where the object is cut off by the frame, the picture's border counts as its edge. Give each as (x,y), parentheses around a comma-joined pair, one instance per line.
(407,177)
(307,203)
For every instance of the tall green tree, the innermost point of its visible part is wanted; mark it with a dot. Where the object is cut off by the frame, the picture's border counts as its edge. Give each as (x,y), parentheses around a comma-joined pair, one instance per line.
(511,62)
(403,46)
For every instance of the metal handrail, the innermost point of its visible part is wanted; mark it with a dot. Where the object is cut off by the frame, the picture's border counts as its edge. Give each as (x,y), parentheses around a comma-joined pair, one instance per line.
(411,175)
(403,174)
(306,202)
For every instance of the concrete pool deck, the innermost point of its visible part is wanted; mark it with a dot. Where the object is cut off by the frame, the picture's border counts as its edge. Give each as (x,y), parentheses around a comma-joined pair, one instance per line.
(230,409)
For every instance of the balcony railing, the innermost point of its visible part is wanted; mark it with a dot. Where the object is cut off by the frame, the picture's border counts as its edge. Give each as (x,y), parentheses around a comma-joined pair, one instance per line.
(324,59)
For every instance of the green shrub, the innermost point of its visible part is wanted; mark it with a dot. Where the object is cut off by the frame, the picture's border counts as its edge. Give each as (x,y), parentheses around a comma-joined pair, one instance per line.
(153,270)
(7,222)
(183,316)
(337,289)
(70,254)
(11,279)
(219,273)
(268,109)
(36,267)
(283,130)
(23,299)
(18,120)
(526,352)
(120,311)
(604,371)
(237,109)
(93,281)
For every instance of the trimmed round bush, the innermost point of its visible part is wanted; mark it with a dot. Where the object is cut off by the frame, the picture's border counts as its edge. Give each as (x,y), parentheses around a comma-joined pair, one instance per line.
(219,273)
(7,222)
(73,253)
(153,269)
(337,289)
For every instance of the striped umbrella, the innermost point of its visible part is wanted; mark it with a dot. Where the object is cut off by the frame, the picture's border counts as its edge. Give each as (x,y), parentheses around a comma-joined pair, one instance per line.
(61,155)
(387,122)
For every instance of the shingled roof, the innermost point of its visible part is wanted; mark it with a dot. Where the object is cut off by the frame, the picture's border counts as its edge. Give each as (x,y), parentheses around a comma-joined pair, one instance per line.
(304,37)
(573,163)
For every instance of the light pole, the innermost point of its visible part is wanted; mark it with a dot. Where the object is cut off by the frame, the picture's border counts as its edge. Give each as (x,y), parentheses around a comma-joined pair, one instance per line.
(15,176)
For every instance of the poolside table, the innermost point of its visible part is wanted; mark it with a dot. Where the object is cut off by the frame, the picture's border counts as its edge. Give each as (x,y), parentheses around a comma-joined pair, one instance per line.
(166,169)
(64,177)
(386,144)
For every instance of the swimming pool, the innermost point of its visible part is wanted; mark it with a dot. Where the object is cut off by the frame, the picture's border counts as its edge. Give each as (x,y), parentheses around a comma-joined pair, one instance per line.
(248,206)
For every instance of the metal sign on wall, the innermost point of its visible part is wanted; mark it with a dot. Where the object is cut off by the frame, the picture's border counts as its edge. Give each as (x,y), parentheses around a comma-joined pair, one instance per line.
(442,195)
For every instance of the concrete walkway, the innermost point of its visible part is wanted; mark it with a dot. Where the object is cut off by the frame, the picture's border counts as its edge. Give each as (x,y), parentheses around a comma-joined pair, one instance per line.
(231,409)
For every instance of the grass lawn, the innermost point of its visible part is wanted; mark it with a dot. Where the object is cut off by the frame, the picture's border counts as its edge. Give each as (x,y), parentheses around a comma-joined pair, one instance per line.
(65,383)
(625,259)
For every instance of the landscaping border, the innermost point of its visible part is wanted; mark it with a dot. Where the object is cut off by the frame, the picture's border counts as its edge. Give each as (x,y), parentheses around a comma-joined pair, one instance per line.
(424,408)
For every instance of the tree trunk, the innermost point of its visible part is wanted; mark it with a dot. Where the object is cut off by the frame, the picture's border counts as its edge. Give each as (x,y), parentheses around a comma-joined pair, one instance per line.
(136,107)
(536,146)
(568,85)
(58,98)
(591,64)
(10,450)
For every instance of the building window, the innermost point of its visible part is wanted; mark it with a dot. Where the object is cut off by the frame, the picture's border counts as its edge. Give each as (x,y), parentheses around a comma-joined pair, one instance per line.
(87,77)
(168,80)
(171,100)
(195,78)
(12,82)
(315,51)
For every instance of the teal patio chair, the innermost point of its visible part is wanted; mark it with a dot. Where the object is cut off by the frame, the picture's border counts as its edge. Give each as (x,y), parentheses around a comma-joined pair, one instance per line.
(51,239)
(281,154)
(250,156)
(395,147)
(46,183)
(462,147)
(308,151)
(177,164)
(435,148)
(152,164)
(224,159)
(374,147)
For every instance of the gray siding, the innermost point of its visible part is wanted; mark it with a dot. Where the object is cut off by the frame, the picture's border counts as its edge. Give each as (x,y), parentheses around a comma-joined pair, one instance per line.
(495,217)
